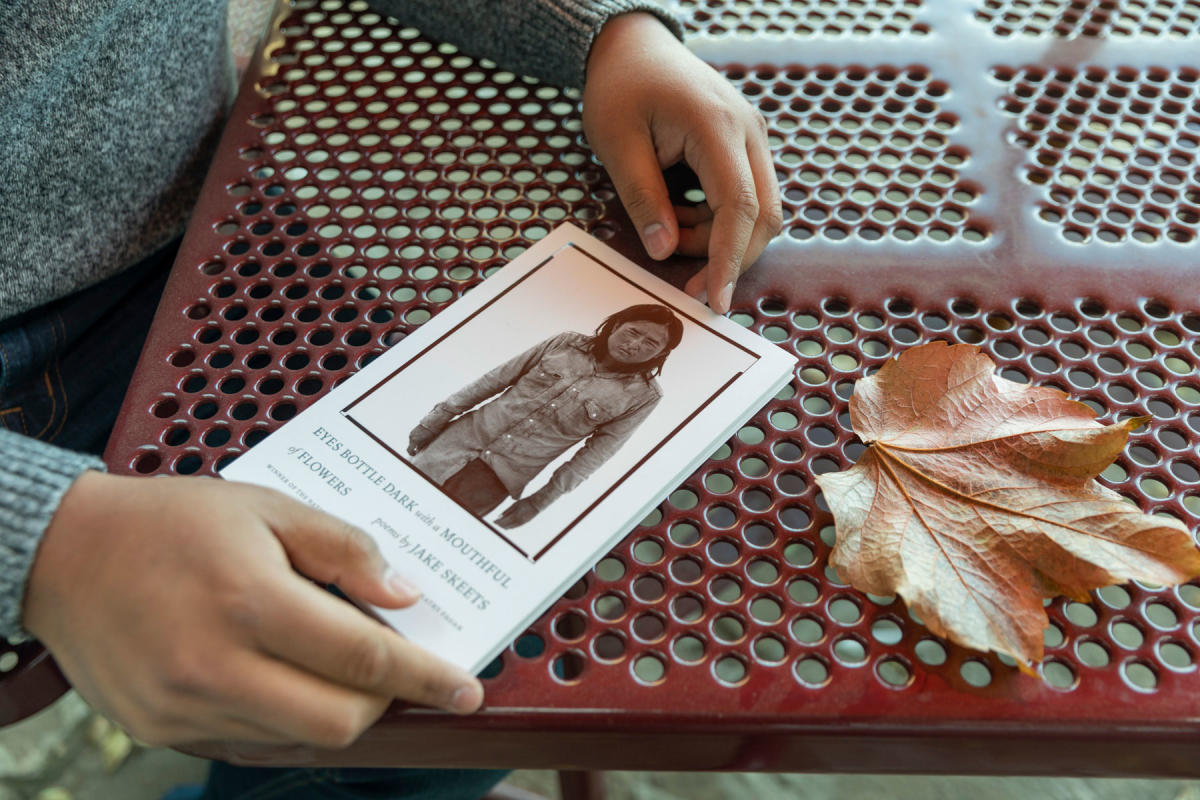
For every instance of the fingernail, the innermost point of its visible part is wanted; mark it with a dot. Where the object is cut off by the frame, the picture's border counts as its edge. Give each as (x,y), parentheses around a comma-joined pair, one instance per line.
(401,587)
(466,698)
(657,239)
(724,298)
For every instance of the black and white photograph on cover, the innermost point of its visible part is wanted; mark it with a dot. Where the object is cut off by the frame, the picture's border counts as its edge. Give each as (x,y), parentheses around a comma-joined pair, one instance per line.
(530,411)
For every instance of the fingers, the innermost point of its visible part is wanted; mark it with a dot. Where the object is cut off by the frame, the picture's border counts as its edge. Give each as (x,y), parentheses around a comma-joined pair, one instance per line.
(723,166)
(330,550)
(312,629)
(746,215)
(633,166)
(766,182)
(648,102)
(278,700)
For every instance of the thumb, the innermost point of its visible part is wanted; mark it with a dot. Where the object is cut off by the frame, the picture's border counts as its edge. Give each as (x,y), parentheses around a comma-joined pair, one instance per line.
(331,550)
(633,166)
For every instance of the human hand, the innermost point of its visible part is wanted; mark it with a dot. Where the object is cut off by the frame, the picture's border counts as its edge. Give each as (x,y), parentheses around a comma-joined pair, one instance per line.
(517,514)
(173,607)
(419,439)
(649,103)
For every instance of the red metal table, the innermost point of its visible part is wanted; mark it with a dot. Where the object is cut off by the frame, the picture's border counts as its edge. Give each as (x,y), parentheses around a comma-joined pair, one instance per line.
(1021,176)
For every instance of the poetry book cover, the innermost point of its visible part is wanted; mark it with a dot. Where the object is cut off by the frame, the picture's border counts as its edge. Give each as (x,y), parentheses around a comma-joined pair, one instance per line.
(502,448)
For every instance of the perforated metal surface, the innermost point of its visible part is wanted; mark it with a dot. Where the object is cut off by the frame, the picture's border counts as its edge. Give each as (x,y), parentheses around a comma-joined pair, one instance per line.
(804,18)
(865,153)
(949,186)
(1115,150)
(1070,19)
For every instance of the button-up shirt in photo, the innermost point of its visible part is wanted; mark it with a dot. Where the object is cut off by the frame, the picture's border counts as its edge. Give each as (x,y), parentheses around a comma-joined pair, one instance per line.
(550,398)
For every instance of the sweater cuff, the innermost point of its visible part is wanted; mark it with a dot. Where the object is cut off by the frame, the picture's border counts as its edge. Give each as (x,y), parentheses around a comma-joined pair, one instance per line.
(34,476)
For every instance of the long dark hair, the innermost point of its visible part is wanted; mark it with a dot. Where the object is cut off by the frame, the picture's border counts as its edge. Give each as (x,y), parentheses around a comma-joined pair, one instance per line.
(648,312)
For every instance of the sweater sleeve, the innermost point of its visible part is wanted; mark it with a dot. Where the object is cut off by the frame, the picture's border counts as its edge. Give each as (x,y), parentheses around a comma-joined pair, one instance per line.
(548,39)
(33,478)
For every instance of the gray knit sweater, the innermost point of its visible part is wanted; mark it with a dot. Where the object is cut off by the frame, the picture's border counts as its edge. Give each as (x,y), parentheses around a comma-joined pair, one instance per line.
(109,113)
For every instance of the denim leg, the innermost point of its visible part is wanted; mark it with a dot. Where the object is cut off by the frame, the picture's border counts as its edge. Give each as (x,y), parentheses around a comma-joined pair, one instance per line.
(227,782)
(64,367)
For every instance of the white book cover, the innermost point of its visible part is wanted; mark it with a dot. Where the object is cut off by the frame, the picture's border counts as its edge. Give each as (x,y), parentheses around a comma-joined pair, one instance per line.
(502,448)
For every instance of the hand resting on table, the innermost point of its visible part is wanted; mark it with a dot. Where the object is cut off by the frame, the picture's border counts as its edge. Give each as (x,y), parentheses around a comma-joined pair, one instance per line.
(648,103)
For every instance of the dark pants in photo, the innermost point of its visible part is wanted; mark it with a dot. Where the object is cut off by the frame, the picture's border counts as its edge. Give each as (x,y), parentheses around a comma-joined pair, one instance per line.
(476,487)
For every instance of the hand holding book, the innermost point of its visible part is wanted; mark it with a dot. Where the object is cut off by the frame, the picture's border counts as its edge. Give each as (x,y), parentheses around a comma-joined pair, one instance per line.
(177,607)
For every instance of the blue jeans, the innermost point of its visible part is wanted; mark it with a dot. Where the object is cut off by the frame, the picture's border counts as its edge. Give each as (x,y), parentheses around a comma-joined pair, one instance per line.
(226,782)
(63,372)
(64,367)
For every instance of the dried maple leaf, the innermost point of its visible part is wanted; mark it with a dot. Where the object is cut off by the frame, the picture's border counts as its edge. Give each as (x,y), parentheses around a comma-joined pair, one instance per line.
(976,499)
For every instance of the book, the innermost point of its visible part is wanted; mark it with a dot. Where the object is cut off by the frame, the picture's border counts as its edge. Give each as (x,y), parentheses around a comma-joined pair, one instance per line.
(507,444)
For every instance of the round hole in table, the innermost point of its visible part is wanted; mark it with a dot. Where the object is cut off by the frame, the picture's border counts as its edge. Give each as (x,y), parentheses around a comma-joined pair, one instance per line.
(727,628)
(766,609)
(1139,675)
(762,571)
(649,669)
(844,610)
(1127,634)
(730,670)
(724,552)
(894,672)
(570,626)
(931,652)
(609,646)
(1160,615)
(568,667)
(1059,674)
(812,671)
(609,607)
(689,649)
(804,591)
(649,588)
(649,627)
(758,534)
(976,673)
(684,534)
(850,650)
(610,569)
(1092,653)
(529,645)
(687,607)
(886,631)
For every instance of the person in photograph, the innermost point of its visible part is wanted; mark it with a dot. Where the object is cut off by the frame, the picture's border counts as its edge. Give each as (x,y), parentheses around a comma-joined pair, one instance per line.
(569,388)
